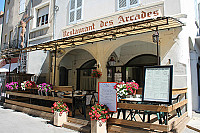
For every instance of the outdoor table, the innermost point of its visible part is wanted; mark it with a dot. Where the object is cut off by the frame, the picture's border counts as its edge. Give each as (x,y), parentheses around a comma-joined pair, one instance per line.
(130,100)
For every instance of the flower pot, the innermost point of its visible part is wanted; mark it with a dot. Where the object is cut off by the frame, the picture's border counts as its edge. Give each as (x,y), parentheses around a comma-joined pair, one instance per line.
(60,119)
(97,126)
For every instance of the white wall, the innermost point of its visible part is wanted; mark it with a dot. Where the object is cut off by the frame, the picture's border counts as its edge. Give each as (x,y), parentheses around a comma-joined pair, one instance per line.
(1,23)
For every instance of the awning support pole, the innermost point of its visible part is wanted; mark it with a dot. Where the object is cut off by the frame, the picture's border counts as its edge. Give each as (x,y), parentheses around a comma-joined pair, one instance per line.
(9,70)
(157,41)
(54,76)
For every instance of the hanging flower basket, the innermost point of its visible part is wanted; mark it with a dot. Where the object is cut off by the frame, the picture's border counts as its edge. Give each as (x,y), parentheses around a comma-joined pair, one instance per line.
(96,74)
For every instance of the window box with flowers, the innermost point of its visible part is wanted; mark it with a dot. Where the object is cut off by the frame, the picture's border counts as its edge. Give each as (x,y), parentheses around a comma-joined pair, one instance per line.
(60,111)
(123,89)
(96,74)
(99,116)
(44,88)
(12,86)
(27,84)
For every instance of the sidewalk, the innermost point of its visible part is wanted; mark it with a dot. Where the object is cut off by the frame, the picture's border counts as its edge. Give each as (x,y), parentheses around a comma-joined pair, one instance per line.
(193,125)
(18,122)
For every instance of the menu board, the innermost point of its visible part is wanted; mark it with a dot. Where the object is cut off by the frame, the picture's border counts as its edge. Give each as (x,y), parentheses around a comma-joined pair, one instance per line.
(158,84)
(108,95)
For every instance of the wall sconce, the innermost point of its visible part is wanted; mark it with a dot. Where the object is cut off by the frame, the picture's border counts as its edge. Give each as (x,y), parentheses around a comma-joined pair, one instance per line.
(114,37)
(73,45)
(112,61)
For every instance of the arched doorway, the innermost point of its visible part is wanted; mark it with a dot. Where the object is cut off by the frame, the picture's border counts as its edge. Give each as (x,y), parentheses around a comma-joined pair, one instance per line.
(84,80)
(132,70)
(63,76)
(73,67)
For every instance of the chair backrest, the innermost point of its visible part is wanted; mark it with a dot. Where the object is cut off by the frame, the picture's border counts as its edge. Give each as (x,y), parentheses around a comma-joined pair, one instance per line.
(63,88)
(88,99)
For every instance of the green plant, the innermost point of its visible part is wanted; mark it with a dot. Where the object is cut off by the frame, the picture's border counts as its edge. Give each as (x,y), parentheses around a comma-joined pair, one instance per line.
(99,112)
(60,107)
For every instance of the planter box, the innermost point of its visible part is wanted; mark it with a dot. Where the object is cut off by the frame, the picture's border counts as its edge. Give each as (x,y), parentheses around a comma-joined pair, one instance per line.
(60,119)
(98,126)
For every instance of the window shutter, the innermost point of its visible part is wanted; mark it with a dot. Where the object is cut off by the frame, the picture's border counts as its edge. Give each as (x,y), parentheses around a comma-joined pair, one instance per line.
(72,11)
(122,4)
(133,2)
(7,16)
(79,10)
(22,5)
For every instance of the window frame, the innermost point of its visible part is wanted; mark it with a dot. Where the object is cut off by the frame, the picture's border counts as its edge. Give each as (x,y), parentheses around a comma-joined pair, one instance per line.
(22,4)
(44,19)
(75,12)
(7,16)
(127,5)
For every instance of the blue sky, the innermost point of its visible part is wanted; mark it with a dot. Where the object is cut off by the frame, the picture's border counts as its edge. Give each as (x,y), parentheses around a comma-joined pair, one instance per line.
(2,5)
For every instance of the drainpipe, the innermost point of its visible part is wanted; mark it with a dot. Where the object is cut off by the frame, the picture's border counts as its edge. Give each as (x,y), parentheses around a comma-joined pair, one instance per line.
(54,18)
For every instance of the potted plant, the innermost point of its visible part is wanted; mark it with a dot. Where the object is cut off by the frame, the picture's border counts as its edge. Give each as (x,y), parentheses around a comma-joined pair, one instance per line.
(12,86)
(27,84)
(60,111)
(123,89)
(96,74)
(99,116)
(44,87)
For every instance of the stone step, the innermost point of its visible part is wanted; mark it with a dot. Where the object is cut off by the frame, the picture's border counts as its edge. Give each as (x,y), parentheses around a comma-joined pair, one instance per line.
(78,121)
(77,127)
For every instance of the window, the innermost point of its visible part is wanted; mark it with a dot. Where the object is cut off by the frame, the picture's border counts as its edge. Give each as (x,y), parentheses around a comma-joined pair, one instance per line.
(43,16)
(75,11)
(124,4)
(22,5)
(7,16)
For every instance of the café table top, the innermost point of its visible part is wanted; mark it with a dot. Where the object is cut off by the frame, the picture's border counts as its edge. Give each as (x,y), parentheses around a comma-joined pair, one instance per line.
(132,99)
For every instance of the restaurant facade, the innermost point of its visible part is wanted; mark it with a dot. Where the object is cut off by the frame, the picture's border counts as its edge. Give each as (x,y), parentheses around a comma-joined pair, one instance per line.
(118,38)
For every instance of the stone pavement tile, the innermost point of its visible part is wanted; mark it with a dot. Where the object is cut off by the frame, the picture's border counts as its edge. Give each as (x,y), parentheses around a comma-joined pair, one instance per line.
(193,123)
(18,122)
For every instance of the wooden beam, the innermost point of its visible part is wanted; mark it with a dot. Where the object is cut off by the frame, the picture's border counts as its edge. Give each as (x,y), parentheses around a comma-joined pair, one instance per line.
(175,121)
(156,108)
(177,105)
(63,88)
(42,108)
(179,91)
(50,98)
(151,126)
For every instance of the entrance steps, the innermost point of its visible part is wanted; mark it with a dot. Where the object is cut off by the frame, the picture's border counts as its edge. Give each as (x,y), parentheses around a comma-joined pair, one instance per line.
(78,125)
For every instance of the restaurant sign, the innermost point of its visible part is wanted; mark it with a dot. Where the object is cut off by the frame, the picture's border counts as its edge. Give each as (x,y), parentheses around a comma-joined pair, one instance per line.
(115,20)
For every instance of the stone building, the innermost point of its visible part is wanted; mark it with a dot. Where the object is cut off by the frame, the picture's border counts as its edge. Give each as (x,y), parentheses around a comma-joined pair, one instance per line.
(120,55)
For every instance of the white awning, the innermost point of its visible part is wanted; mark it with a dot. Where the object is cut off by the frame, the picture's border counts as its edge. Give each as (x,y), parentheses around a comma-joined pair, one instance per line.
(6,67)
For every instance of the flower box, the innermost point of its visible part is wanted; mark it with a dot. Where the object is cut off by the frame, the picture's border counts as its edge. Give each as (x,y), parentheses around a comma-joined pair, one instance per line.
(97,126)
(59,119)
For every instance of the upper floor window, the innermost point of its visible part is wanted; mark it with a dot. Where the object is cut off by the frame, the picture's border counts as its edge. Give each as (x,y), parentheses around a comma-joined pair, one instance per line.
(43,16)
(7,16)
(22,5)
(75,11)
(124,4)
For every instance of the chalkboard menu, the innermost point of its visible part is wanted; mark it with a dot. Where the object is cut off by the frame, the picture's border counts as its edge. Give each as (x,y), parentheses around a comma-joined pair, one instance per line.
(108,95)
(158,84)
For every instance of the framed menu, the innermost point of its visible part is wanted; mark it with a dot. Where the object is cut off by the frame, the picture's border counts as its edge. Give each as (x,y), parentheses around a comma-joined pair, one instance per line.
(158,84)
(108,95)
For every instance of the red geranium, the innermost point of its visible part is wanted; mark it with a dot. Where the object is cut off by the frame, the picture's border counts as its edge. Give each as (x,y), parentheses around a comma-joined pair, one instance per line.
(60,107)
(99,112)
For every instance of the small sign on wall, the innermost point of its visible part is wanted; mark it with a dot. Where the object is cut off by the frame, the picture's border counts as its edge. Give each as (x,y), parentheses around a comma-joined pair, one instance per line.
(108,95)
